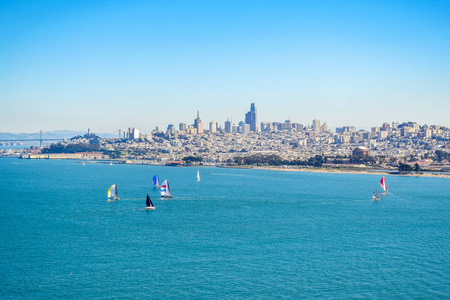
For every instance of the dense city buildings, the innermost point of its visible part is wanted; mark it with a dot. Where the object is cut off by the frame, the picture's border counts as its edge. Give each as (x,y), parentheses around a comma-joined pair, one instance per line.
(386,145)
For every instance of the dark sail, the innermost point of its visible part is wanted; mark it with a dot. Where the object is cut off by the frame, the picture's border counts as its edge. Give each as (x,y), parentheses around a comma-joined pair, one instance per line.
(116,192)
(148,203)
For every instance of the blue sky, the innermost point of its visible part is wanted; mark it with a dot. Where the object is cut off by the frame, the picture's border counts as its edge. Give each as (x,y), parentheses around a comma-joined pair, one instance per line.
(116,64)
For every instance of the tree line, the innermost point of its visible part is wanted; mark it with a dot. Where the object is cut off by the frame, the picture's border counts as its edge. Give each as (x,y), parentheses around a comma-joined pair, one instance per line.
(275,160)
(71,148)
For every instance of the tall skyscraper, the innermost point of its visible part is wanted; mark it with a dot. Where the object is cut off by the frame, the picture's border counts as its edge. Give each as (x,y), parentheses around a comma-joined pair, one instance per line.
(198,124)
(183,126)
(316,125)
(213,126)
(228,126)
(251,118)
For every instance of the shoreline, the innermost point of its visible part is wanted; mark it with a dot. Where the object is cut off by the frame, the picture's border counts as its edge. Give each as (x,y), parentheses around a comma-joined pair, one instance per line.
(362,172)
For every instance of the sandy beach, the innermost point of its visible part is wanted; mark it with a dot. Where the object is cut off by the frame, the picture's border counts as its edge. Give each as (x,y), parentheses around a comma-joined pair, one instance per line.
(341,171)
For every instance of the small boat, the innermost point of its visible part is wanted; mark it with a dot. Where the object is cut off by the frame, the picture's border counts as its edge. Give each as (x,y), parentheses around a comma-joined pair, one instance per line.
(83,163)
(198,175)
(165,190)
(383,186)
(148,204)
(155,182)
(110,163)
(375,196)
(113,193)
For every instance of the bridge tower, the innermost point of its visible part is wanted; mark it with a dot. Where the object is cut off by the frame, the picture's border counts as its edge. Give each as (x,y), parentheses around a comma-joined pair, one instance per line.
(40,139)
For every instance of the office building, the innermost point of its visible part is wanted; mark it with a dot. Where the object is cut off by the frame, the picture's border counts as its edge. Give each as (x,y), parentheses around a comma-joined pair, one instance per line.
(251,118)
(198,124)
(316,125)
(228,126)
(213,126)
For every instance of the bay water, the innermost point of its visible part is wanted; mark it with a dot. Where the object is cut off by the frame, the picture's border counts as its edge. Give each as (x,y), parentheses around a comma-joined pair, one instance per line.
(235,234)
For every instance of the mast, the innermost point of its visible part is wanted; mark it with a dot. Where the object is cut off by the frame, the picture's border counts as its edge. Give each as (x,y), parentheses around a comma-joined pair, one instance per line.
(148,202)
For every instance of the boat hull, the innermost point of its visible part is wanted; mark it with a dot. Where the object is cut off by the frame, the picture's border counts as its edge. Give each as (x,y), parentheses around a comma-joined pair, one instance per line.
(149,208)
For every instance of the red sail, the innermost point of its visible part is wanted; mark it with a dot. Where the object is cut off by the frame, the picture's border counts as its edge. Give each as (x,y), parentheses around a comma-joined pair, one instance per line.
(383,184)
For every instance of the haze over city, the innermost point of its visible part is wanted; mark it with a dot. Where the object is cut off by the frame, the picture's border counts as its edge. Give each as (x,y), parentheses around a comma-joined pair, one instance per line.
(114,64)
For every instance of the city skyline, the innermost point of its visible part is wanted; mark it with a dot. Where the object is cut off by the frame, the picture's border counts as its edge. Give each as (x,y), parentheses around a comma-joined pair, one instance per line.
(111,65)
(237,123)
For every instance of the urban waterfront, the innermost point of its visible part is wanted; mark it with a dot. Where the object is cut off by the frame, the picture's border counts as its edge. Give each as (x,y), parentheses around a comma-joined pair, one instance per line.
(237,233)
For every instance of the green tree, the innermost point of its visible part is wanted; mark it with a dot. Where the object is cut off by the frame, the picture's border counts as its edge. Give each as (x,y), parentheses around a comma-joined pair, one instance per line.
(441,155)
(404,168)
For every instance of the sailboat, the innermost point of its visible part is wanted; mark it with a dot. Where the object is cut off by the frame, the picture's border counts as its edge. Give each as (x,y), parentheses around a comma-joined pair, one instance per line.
(113,193)
(383,186)
(148,204)
(165,190)
(155,181)
(375,196)
(198,175)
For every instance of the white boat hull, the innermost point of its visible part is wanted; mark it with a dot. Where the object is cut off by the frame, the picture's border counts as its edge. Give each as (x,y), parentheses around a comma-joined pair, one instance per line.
(149,208)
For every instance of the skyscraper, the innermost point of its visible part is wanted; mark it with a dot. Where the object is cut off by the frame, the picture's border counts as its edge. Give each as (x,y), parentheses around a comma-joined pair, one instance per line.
(251,118)
(213,126)
(316,125)
(228,126)
(183,126)
(198,123)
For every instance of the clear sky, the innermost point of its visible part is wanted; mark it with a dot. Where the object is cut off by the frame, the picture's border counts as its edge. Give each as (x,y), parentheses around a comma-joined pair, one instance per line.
(116,64)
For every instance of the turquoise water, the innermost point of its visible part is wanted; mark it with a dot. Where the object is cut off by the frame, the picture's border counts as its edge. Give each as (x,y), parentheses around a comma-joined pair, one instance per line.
(236,234)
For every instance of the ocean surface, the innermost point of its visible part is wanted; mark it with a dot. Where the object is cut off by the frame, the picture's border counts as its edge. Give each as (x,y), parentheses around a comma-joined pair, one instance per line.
(235,234)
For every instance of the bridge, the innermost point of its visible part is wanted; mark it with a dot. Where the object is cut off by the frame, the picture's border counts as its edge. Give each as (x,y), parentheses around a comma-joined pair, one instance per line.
(31,137)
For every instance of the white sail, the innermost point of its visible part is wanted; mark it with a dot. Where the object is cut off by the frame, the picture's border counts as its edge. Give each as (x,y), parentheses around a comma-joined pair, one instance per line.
(165,190)
(375,196)
(198,175)
(113,192)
